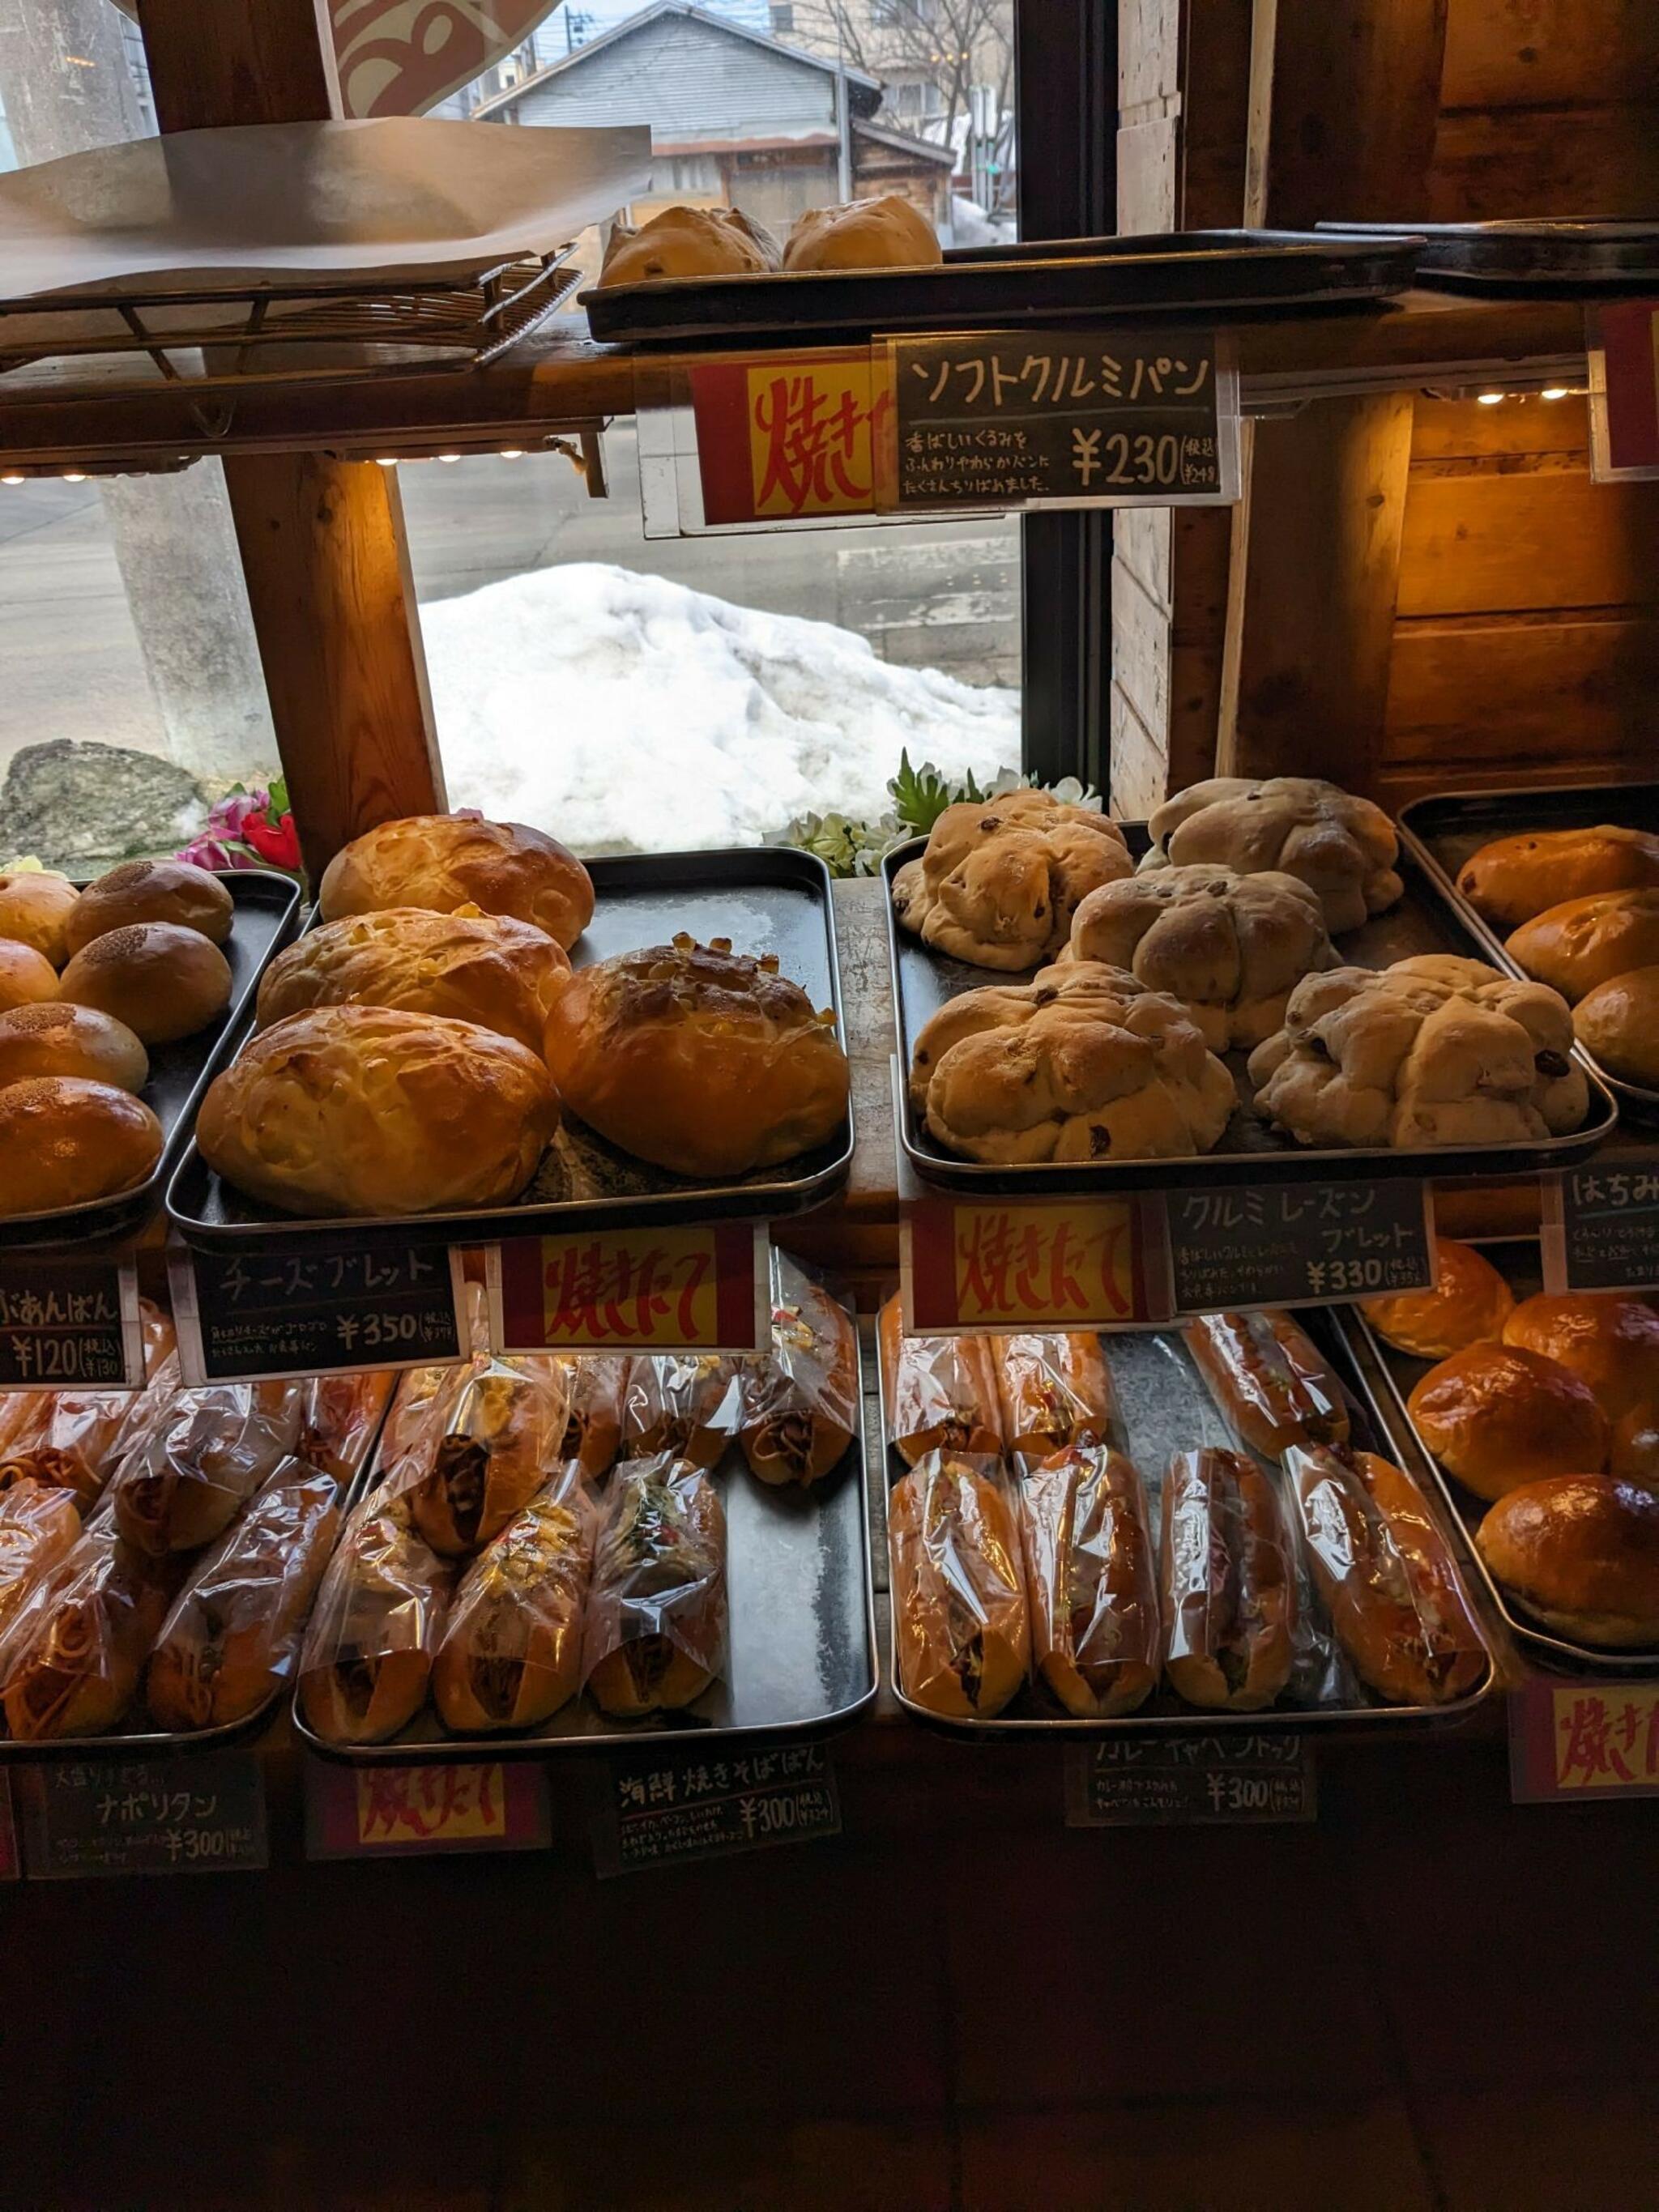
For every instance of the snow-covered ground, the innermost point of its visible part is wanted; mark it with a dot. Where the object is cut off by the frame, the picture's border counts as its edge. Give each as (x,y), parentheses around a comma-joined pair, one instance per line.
(624,712)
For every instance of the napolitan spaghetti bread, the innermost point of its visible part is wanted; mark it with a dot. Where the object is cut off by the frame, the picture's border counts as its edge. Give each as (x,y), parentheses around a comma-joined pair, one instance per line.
(999,882)
(163,981)
(698,1057)
(151,891)
(65,1141)
(447,862)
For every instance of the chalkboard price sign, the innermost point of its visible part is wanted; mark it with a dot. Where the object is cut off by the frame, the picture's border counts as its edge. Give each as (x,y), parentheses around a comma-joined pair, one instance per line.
(69,1324)
(1291,1243)
(203,1813)
(1601,1227)
(660,1809)
(244,1318)
(1155,1782)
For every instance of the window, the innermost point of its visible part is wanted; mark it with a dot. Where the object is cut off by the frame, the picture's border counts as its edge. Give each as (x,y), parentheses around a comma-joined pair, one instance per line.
(783,19)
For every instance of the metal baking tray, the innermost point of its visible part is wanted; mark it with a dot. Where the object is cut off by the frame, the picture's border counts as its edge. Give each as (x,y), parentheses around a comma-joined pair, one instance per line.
(153,1742)
(1427,919)
(766,899)
(801,1633)
(1448,829)
(1388,1378)
(267,913)
(1527,256)
(1163,1407)
(1221,273)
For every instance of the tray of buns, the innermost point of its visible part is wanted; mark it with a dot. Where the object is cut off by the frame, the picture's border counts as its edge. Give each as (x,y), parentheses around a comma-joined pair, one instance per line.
(1168,1532)
(1085,1006)
(119,1003)
(575,1553)
(764,946)
(1561,882)
(1532,256)
(1218,273)
(1536,1417)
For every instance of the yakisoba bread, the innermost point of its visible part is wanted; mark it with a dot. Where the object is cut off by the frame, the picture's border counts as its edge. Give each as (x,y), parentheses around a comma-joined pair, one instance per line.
(490,1453)
(378,1618)
(685,1404)
(447,862)
(800,1400)
(940,1392)
(656,1634)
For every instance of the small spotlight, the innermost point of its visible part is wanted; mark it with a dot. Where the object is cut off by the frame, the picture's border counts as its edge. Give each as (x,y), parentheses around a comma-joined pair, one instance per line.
(386,460)
(1555,392)
(1490,398)
(14,480)
(449,457)
(75,476)
(512,452)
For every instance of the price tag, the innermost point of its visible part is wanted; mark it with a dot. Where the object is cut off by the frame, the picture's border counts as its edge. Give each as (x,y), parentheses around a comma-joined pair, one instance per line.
(398,1811)
(1624,381)
(1584,1742)
(1155,1782)
(203,1813)
(1601,1227)
(10,1860)
(69,1322)
(660,1809)
(1125,417)
(1297,1244)
(1000,1264)
(705,1287)
(381,1304)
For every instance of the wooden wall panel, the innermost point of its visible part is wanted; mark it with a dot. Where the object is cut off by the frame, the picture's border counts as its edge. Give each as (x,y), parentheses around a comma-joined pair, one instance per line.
(1147,159)
(1483,543)
(1544,688)
(1537,53)
(1528,161)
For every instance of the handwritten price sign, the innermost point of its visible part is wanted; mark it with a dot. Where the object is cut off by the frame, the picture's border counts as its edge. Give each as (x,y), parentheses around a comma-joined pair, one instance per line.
(700,1288)
(398,1811)
(243,1318)
(69,1324)
(1155,1782)
(1600,1228)
(1584,1742)
(998,1265)
(672,1806)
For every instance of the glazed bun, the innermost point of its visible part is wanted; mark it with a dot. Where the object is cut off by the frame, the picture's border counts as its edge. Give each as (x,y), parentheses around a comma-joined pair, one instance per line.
(482,967)
(1610,1343)
(65,1141)
(1618,1022)
(447,862)
(888,233)
(151,891)
(1587,941)
(1513,878)
(35,905)
(1468,1300)
(365,1111)
(27,978)
(1497,1417)
(1581,1552)
(163,981)
(58,1038)
(698,1058)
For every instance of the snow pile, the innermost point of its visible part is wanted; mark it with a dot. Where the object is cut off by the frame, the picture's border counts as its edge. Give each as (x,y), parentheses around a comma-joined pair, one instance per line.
(624,712)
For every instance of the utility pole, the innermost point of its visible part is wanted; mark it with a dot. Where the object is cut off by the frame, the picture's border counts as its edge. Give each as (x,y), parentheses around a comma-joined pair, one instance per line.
(843,121)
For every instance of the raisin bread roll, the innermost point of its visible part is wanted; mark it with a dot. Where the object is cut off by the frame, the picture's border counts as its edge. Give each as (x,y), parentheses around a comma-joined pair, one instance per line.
(888,233)
(1000,881)
(687,241)
(1340,846)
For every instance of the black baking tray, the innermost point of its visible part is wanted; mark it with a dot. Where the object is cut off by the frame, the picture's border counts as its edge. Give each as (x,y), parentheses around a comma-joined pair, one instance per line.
(1220,273)
(1527,256)
(1163,1407)
(267,908)
(1449,827)
(1428,918)
(1389,1378)
(765,898)
(801,1636)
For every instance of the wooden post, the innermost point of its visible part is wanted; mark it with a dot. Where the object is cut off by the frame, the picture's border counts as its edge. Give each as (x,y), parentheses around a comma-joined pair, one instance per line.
(322,541)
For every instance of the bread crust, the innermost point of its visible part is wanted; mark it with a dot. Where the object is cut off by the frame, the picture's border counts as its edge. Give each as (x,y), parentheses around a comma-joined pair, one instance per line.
(999,882)
(57,1038)
(1618,1021)
(1229,1589)
(1097,1636)
(1269,1379)
(1581,1552)
(444,861)
(35,905)
(164,982)
(1468,1300)
(151,891)
(66,1142)
(1341,846)
(961,1619)
(489,968)
(884,233)
(1513,878)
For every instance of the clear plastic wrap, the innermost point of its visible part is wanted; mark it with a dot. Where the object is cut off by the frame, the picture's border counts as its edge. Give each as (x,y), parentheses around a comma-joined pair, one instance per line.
(656,1634)
(485,1452)
(78,1438)
(1269,1379)
(1052,1392)
(178,1487)
(595,1382)
(1229,1581)
(233,1633)
(940,1392)
(1395,1598)
(39,1525)
(680,1405)
(1096,1637)
(960,1616)
(70,1662)
(377,1624)
(338,1417)
(512,1648)
(801,1398)
(419,1403)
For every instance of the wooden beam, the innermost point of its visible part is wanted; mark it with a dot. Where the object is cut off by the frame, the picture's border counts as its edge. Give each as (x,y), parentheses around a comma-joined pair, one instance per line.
(252,61)
(1351,110)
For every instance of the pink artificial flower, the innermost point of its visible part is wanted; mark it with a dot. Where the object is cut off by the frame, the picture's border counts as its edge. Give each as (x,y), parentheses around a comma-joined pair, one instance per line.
(227,817)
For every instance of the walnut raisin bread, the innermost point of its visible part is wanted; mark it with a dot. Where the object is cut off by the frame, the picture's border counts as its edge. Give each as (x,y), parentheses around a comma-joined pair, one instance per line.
(1340,846)
(1000,881)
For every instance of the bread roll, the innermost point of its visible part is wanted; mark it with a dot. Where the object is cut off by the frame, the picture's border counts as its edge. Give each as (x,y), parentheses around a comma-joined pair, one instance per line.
(78,1644)
(1513,878)
(656,1634)
(218,1444)
(1344,848)
(369,1651)
(999,882)
(57,1038)
(1580,1552)
(1269,1379)
(38,1526)
(1090,1581)
(1496,1417)
(35,905)
(1612,1344)
(687,242)
(363,1110)
(960,1616)
(1619,1023)
(1053,1392)
(482,967)
(447,862)
(27,978)
(163,981)
(800,1400)
(338,1417)
(65,1141)
(1229,1585)
(699,1059)
(1586,941)
(940,1392)
(885,232)
(512,1648)
(687,1405)
(151,891)
(1468,1300)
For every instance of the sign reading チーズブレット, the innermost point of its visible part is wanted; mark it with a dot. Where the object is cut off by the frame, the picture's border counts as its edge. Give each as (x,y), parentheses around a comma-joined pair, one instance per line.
(244,1317)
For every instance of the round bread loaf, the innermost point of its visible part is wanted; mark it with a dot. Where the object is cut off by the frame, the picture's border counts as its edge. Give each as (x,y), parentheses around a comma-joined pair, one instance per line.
(1587,941)
(27,978)
(35,905)
(65,1141)
(888,233)
(1581,1552)
(1513,878)
(482,967)
(1618,1021)
(1610,1343)
(687,241)
(163,981)
(151,891)
(366,1111)
(445,862)
(1469,1301)
(698,1058)
(998,882)
(1496,1416)
(58,1038)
